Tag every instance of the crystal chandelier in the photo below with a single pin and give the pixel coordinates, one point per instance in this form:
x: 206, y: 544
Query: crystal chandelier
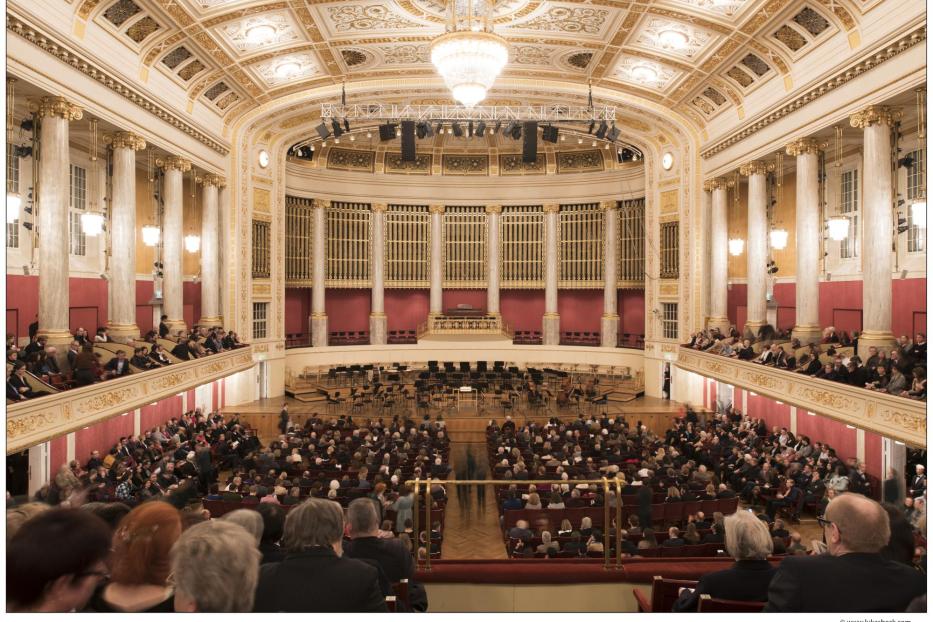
x: 469, y: 56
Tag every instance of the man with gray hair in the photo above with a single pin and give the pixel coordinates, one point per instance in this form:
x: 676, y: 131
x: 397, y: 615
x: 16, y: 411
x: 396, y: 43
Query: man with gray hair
x: 215, y: 565
x: 315, y: 576
x: 390, y: 554
x: 853, y: 576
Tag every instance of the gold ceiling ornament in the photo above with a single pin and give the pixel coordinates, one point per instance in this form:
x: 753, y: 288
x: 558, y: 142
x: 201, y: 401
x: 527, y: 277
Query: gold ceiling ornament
x: 436, y: 209
x: 56, y: 107
x: 209, y: 179
x: 552, y: 208
x: 378, y: 207
x: 875, y: 115
x: 125, y: 140
x: 10, y: 100
x: 803, y: 145
x: 716, y: 183
x: 755, y: 167
x: 177, y: 163
x: 493, y: 209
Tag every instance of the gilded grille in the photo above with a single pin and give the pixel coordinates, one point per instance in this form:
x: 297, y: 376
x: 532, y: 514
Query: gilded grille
x: 790, y: 37
x: 215, y: 91
x: 465, y: 246
x: 142, y: 29
x: 120, y: 11
x: 407, y: 246
x: 262, y: 249
x: 670, y: 250
x: 580, y: 250
x: 347, y: 238
x: 811, y: 20
x: 299, y: 222
x: 632, y: 240
x: 190, y: 70
x: 176, y: 57
x: 521, y: 235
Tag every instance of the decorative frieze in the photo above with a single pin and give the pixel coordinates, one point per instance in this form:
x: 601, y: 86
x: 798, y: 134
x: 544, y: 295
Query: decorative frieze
x: 579, y: 161
x: 394, y: 165
x: 465, y: 164
x: 351, y: 160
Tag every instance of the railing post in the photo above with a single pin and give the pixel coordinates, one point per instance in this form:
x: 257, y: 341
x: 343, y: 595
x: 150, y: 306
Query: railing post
x: 618, y: 522
x: 414, y: 522
x: 427, y: 521
x: 606, y: 524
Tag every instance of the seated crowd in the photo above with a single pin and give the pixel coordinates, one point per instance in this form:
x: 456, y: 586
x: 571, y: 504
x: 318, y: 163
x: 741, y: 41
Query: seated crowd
x: 901, y: 372
x: 131, y: 531
x: 85, y: 365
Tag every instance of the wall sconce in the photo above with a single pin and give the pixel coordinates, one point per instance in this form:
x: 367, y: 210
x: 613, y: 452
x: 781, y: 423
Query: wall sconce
x: 736, y: 246
x: 779, y: 239
x: 151, y: 235
x: 192, y: 243
x: 92, y: 223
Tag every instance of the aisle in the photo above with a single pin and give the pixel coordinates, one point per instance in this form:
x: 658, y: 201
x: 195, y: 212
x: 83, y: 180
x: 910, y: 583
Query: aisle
x: 470, y: 531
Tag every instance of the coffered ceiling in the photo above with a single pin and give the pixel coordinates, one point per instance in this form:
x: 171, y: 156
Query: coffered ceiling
x: 700, y: 57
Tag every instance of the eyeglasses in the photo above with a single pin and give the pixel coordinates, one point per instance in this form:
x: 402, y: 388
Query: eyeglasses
x: 824, y: 522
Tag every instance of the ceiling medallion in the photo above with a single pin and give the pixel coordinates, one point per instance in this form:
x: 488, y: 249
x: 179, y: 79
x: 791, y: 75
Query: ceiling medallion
x: 673, y: 39
x: 470, y: 55
x: 644, y: 73
x: 259, y: 34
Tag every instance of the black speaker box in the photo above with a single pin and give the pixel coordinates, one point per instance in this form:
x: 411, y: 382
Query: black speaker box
x: 530, y: 142
x: 408, y: 141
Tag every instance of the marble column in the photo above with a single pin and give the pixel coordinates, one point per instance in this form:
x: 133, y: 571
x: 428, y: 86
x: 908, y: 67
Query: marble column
x: 757, y: 243
x: 493, y: 216
x: 550, y: 329
x: 609, y: 324
x: 437, y: 260
x: 172, y: 247
x: 122, y: 322
x: 210, y: 251
x: 809, y: 239
x: 378, y: 322
x: 719, y: 256
x: 54, y: 197
x: 223, y: 240
x: 877, y: 223
x: 318, y: 276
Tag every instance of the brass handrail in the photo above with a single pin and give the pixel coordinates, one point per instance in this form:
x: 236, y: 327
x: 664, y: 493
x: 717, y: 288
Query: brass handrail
x: 605, y: 481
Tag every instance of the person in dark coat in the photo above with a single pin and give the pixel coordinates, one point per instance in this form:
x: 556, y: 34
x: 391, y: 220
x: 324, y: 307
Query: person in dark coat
x: 750, y: 544
x: 390, y: 554
x: 853, y: 576
x: 283, y: 419
x: 892, y: 487
x: 314, y: 576
x: 645, y: 497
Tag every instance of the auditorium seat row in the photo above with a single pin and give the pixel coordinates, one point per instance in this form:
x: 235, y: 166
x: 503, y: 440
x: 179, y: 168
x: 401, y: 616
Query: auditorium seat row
x: 661, y: 513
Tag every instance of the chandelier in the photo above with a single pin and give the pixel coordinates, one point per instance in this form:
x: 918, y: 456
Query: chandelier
x: 469, y: 56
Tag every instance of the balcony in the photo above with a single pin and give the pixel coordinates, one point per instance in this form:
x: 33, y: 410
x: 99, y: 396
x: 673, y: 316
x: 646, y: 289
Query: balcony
x: 894, y: 417
x: 38, y: 420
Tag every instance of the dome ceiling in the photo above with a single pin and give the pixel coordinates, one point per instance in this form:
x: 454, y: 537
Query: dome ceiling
x: 699, y: 57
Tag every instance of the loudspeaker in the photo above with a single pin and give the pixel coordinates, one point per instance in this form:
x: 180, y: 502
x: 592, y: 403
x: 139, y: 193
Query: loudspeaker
x: 530, y: 143
x: 322, y: 131
x: 386, y: 131
x: 408, y: 141
x: 601, y: 132
x: 549, y: 134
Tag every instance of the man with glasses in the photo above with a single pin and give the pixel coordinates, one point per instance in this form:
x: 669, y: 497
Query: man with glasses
x: 852, y: 576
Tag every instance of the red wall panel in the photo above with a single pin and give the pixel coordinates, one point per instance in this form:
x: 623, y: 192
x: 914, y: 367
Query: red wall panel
x: 347, y: 309
x: 522, y: 309
x: 825, y: 430
x: 873, y: 451
x: 156, y: 414
x: 192, y: 302
x: 58, y: 454
x: 580, y: 309
x: 476, y: 298
x: 406, y: 308
x: 774, y: 414
x: 102, y: 436
x: 909, y: 306
x: 297, y: 310
x: 632, y: 311
x: 144, y: 293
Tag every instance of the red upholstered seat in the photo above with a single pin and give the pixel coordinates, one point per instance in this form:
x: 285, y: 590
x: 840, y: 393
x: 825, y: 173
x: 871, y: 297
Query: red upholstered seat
x: 664, y: 593
x: 720, y: 605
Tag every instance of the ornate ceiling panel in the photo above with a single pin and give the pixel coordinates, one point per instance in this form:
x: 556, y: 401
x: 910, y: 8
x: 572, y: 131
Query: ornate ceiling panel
x: 696, y: 55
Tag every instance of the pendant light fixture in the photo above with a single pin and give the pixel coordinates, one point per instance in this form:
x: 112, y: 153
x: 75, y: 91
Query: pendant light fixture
x: 778, y: 235
x: 151, y: 232
x: 736, y: 244
x: 918, y: 207
x: 92, y: 221
x: 13, y: 201
x: 192, y: 241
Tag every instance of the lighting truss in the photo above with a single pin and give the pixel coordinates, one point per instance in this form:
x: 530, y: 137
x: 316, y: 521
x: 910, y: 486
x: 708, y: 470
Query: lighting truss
x: 548, y: 113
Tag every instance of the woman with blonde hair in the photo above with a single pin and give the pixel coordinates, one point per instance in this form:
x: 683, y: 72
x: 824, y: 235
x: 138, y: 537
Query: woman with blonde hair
x: 534, y: 502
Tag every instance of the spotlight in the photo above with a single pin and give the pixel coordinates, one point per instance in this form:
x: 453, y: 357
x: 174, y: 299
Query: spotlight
x: 428, y: 131
x: 592, y: 127
x: 439, y: 128
x: 498, y: 127
x: 458, y: 130
x: 601, y: 132
x: 481, y: 129
x: 613, y: 133
x: 517, y: 131
x: 346, y: 125
x: 510, y: 128
x: 23, y: 152
x: 322, y: 131
x: 386, y: 132
x: 549, y: 134
x: 470, y: 129
x: 421, y: 130
x: 337, y: 129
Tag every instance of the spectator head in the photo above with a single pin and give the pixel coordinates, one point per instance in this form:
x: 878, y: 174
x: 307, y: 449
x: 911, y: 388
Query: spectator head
x: 920, y: 469
x: 273, y: 521
x: 747, y: 537
x: 216, y: 568
x: 316, y: 522
x: 143, y: 542
x: 855, y: 524
x: 112, y: 513
x: 17, y: 516
x: 545, y: 537
x: 586, y: 523
x: 56, y: 560
x: 673, y: 532
x: 250, y: 520
x: 362, y: 519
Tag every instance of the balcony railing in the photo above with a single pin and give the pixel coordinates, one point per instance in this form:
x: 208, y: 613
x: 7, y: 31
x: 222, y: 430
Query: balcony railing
x: 891, y: 416
x: 40, y: 419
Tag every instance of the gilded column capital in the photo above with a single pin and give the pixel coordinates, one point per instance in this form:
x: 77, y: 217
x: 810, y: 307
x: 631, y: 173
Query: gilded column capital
x: 125, y: 140
x: 552, y: 208
x: 56, y: 107
x: 755, y: 167
x: 379, y: 207
x: 875, y: 115
x: 803, y: 145
x: 321, y: 204
x: 608, y: 205
x: 716, y: 183
x: 436, y: 209
x: 212, y: 180
x: 174, y: 162
x: 493, y: 209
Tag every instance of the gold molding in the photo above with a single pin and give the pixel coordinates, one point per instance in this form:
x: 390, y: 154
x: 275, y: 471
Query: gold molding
x: 125, y: 140
x: 552, y: 208
x: 493, y: 209
x: 755, y: 167
x: 56, y: 107
x: 378, y: 208
x: 803, y: 145
x: 875, y: 115
x: 716, y: 183
x: 177, y: 163
x: 212, y: 180
x: 436, y: 209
